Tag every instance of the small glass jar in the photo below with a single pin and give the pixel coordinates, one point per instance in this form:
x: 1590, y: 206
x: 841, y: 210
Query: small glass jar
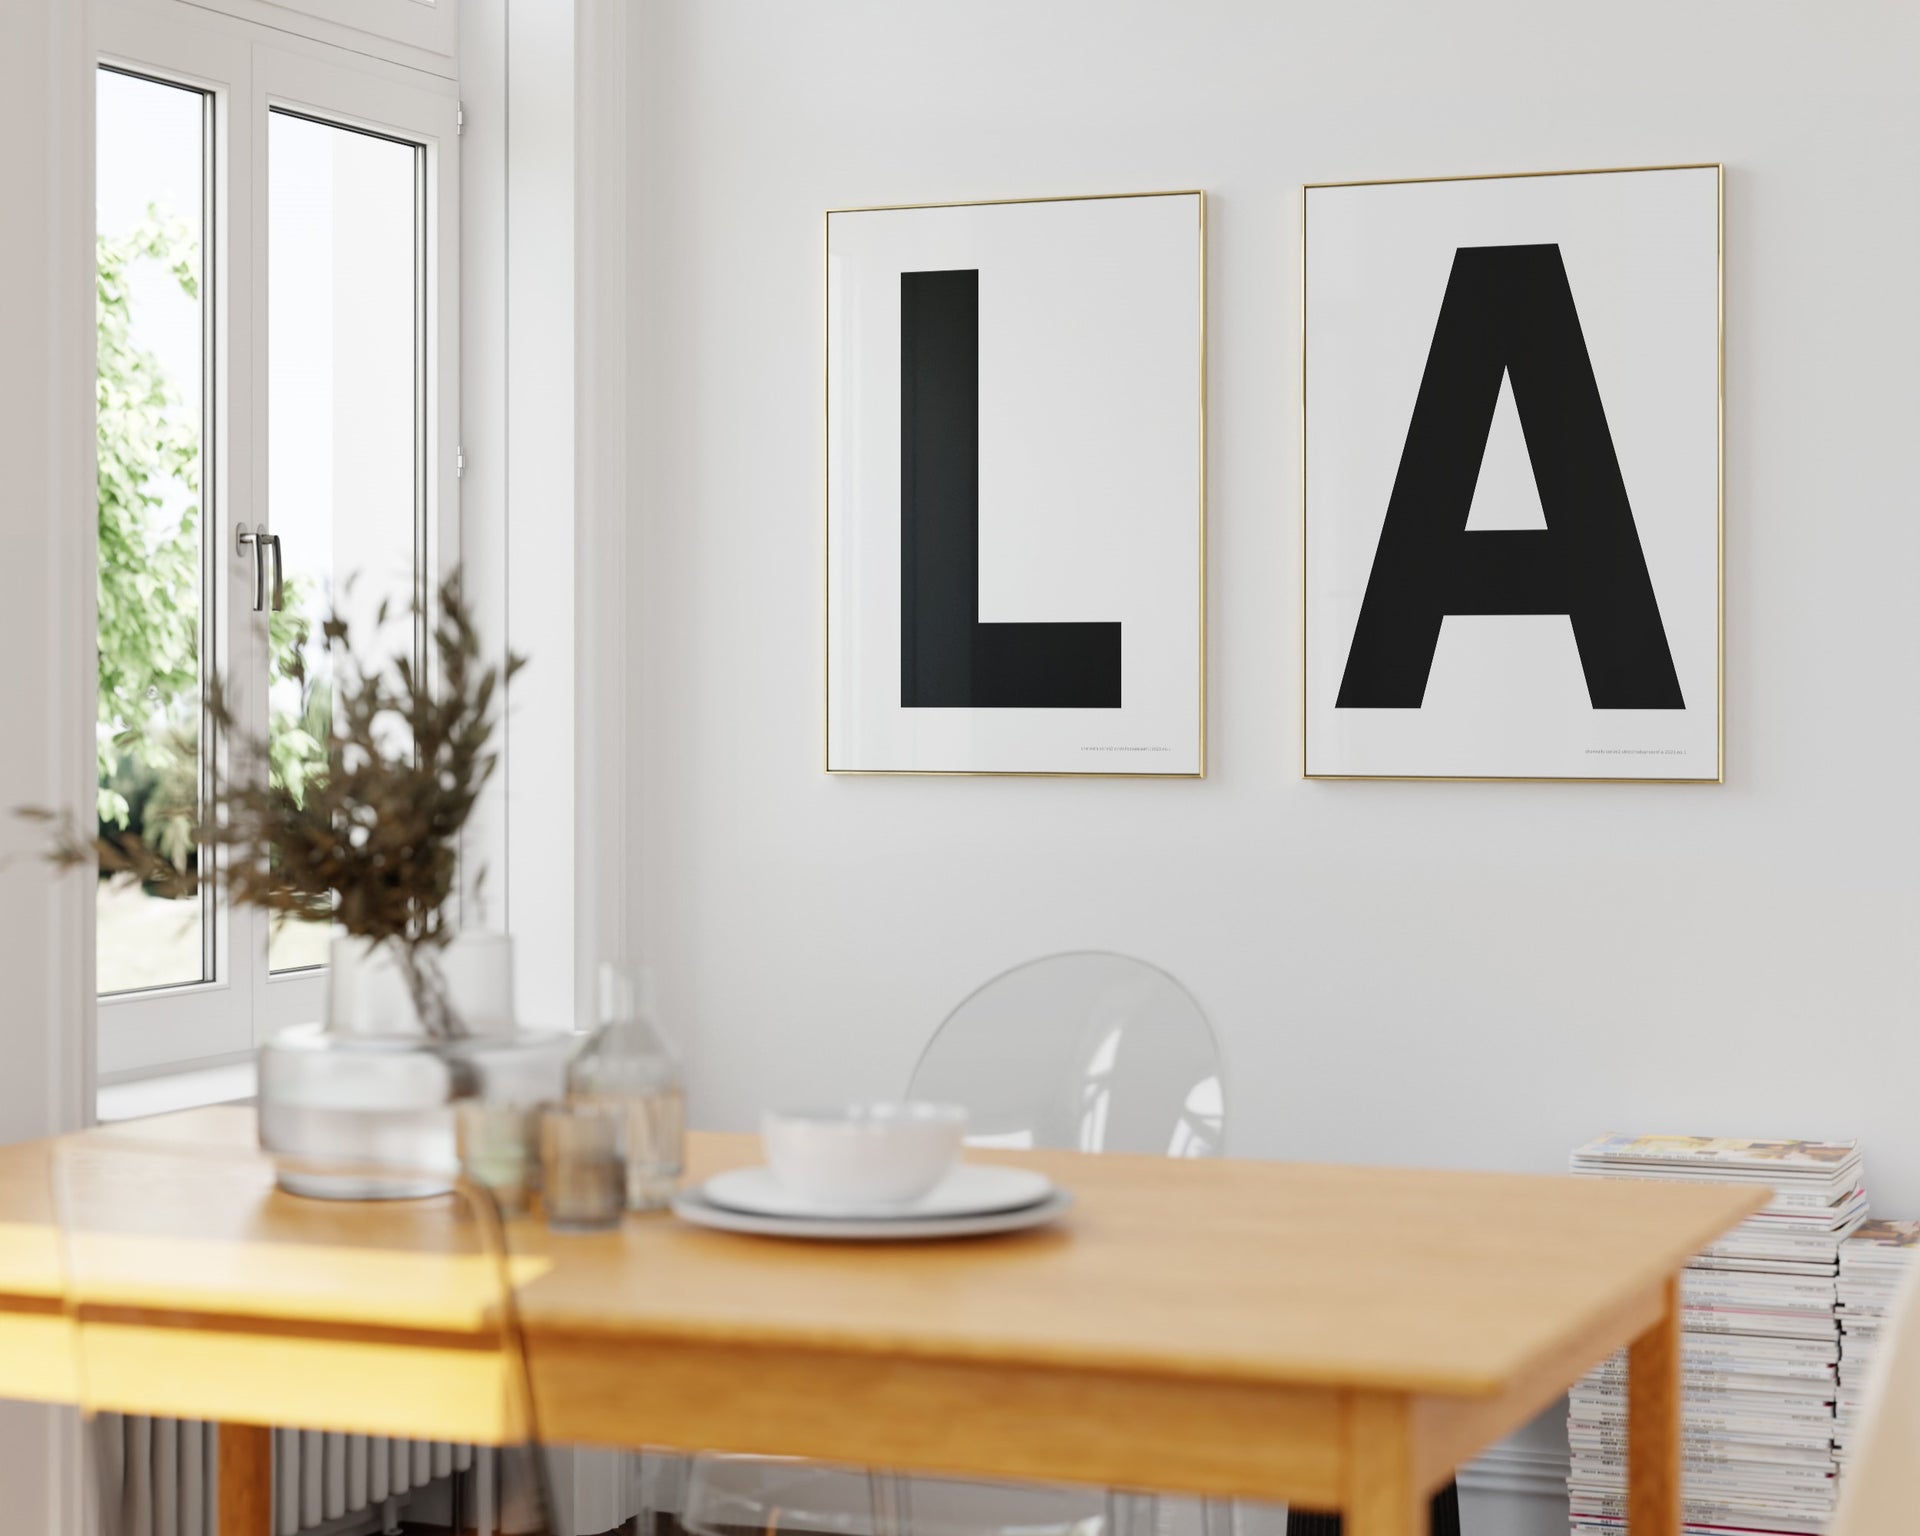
x: 497, y: 1150
x: 582, y: 1174
x: 629, y: 1067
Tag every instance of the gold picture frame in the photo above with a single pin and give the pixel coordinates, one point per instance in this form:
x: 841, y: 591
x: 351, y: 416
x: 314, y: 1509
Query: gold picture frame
x: 1720, y: 244
x: 1200, y: 772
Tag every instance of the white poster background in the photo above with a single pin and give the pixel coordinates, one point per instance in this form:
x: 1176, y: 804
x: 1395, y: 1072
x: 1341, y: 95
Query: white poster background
x: 1507, y: 698
x: 1090, y: 466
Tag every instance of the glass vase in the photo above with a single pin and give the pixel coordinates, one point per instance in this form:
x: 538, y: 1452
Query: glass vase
x: 629, y: 1067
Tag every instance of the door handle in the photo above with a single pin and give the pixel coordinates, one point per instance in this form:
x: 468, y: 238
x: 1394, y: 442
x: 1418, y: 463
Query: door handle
x: 262, y: 541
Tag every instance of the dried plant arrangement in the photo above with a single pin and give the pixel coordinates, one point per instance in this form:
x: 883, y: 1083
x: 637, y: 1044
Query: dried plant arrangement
x: 370, y: 844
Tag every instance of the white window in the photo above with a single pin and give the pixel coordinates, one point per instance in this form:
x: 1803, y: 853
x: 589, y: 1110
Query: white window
x: 279, y: 361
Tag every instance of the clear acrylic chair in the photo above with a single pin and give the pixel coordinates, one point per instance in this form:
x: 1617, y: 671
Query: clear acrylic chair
x: 1084, y: 1052
x: 1090, y: 1052
x: 198, y: 1294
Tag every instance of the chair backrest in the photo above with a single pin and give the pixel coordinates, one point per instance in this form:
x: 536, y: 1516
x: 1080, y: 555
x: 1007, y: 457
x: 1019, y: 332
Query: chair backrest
x: 1087, y: 1051
x: 197, y: 1290
x: 1880, y: 1484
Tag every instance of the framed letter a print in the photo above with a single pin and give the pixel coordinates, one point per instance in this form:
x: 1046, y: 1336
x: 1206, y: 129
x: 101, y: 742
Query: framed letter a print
x: 1015, y: 487
x: 1512, y: 477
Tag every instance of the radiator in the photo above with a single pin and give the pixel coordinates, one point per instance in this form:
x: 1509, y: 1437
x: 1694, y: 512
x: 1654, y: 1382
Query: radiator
x: 158, y: 1474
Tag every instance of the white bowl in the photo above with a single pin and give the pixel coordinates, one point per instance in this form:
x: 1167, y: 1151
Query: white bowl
x: 863, y: 1154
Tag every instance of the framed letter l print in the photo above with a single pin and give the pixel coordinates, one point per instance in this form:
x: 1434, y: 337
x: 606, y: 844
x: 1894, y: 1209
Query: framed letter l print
x: 1015, y: 487
x: 1512, y: 477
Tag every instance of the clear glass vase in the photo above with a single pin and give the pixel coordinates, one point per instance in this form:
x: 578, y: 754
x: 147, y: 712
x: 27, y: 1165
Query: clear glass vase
x: 367, y: 992
x: 365, y: 1100
x: 629, y: 1066
x: 375, y: 1086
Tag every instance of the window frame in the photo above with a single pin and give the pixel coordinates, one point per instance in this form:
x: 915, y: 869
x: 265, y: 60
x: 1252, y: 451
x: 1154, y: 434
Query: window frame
x: 151, y: 1029
x: 398, y: 31
x: 332, y: 91
x: 249, y: 70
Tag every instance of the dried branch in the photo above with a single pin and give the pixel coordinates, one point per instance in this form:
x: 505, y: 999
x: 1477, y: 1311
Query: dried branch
x: 373, y: 843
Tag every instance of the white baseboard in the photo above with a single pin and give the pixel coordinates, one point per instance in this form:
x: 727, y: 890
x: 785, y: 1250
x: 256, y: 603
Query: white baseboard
x: 1519, y: 1486
x: 1514, y: 1467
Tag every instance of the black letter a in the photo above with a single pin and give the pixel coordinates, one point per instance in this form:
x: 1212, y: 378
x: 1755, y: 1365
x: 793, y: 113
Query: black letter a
x: 1509, y: 308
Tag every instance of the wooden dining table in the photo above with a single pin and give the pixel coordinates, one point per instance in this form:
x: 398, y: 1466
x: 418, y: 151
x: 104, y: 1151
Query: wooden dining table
x: 1340, y: 1338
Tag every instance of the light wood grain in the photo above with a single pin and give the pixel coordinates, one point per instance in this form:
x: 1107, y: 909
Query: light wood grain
x: 1452, y: 1430
x: 1108, y: 1428
x: 1653, y: 1424
x: 1224, y: 1328
x: 420, y: 1390
x: 37, y: 1357
x: 1406, y: 1279
x: 1383, y: 1496
x: 244, y: 1500
x: 1414, y: 1280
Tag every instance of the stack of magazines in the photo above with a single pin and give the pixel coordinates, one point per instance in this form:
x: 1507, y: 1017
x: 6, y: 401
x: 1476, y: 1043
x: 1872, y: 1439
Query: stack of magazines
x: 1874, y: 1260
x: 1761, y: 1344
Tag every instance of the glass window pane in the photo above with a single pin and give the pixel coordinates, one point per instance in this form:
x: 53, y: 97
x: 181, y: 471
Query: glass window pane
x: 344, y: 398
x: 151, y: 188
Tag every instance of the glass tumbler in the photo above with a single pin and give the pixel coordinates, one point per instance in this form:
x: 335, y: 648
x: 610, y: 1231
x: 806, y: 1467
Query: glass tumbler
x: 496, y: 1143
x: 582, y: 1169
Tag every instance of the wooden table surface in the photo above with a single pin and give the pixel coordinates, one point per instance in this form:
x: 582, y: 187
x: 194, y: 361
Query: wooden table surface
x: 1338, y: 1337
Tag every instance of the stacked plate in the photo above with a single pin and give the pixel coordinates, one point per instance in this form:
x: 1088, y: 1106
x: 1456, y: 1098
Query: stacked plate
x: 972, y: 1201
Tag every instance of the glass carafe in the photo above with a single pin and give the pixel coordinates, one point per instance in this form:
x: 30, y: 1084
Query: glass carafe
x: 629, y: 1065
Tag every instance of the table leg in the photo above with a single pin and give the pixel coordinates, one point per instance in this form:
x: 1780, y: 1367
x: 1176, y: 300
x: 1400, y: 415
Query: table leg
x: 1653, y: 1424
x: 245, y: 1506
x: 1382, y: 1499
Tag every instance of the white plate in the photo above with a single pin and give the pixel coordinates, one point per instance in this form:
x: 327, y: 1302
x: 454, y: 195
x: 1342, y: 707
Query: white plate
x: 972, y: 1189
x: 692, y: 1205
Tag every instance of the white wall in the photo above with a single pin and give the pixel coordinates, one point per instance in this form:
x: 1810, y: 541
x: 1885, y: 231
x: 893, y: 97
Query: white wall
x: 46, y: 617
x: 1446, y: 974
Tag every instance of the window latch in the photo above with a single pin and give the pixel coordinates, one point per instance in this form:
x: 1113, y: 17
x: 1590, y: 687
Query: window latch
x: 262, y: 543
